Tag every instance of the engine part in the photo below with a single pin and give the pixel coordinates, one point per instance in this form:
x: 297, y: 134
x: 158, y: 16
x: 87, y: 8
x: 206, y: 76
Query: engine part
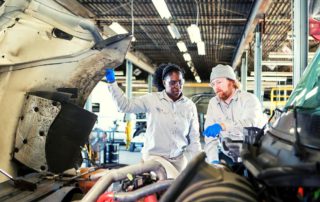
x: 143, y: 192
x: 274, y: 159
x: 288, y: 154
x: 115, y: 175
x: 203, y: 182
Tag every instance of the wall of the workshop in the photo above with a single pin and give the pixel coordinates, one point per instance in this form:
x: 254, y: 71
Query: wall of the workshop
x: 201, y: 106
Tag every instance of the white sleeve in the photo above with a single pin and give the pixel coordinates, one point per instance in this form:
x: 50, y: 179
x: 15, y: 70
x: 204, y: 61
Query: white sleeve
x: 194, y: 147
x: 211, y: 143
x: 211, y: 149
x: 135, y: 105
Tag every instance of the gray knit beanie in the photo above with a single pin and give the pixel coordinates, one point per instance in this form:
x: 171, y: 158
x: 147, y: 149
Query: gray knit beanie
x: 224, y: 71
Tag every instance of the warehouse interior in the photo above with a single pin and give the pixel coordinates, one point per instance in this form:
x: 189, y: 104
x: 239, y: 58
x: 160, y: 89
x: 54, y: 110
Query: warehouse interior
x: 80, y: 119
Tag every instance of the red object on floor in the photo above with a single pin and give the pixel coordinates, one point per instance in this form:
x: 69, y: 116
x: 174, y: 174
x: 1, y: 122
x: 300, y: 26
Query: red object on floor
x: 106, y: 197
x: 314, y: 28
x: 151, y: 198
x: 300, y: 192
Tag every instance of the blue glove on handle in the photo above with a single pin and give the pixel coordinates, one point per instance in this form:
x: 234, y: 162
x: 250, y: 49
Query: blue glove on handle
x: 110, y: 78
x: 213, y: 130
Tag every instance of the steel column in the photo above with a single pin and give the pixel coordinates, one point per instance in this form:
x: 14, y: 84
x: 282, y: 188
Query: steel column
x: 300, y: 39
x: 129, y: 79
x: 150, y: 80
x: 244, y: 72
x: 257, y: 65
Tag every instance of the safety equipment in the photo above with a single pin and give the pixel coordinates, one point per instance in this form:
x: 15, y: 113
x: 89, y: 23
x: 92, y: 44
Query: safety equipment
x: 110, y: 78
x: 213, y: 130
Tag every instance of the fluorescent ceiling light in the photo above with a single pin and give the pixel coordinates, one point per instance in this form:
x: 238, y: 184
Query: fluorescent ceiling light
x: 201, y: 48
x: 117, y: 28
x: 182, y: 46
x: 162, y: 8
x: 198, y: 79
x: 194, y: 33
x: 190, y: 64
x: 174, y: 31
x: 187, y: 57
x: 195, y: 74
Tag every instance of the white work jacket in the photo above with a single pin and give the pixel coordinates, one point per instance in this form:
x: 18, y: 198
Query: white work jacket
x: 244, y: 110
x: 169, y: 124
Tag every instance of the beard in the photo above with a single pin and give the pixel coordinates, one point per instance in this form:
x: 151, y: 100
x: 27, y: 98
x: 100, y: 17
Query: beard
x: 224, y: 95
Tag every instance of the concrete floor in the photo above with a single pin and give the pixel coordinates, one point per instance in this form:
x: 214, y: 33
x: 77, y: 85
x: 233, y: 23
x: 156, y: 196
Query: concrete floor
x: 127, y: 157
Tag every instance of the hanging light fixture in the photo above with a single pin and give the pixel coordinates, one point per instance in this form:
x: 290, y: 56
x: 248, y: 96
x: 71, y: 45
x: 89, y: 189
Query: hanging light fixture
x: 187, y: 57
x: 174, y: 31
x: 201, y: 48
x: 190, y: 64
x: 198, y: 79
x: 162, y: 8
x: 182, y: 46
x: 194, y: 33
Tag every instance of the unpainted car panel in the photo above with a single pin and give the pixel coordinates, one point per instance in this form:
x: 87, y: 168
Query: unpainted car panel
x: 33, y: 59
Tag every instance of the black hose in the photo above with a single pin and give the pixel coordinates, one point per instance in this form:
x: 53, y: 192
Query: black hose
x: 144, y: 191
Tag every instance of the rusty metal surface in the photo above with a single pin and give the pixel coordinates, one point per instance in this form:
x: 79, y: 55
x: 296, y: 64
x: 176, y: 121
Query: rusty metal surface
x: 36, y: 118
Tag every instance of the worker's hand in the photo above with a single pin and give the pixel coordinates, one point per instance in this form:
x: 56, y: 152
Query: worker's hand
x: 110, y: 78
x: 213, y: 130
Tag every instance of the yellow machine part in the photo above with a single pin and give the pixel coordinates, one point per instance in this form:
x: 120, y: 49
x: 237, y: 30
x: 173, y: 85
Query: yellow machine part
x: 128, y: 134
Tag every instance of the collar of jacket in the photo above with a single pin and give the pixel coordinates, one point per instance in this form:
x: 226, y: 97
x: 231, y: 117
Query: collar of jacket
x: 163, y: 95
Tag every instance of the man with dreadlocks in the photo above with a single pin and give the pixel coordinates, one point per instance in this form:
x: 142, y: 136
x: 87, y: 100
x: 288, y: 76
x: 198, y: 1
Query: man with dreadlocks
x: 172, y: 119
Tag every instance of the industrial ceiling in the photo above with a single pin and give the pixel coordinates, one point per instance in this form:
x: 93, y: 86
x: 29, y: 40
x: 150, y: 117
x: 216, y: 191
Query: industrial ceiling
x: 222, y: 24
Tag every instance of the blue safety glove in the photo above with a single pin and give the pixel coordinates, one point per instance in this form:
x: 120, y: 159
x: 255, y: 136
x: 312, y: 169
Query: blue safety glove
x: 213, y: 130
x: 110, y: 78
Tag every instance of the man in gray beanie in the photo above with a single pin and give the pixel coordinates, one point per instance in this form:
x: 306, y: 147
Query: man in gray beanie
x: 228, y: 113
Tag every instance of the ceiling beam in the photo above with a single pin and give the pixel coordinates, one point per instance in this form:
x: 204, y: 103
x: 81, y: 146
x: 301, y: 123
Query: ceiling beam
x: 259, y: 8
x: 153, y: 19
x: 140, y: 63
x: 75, y: 7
